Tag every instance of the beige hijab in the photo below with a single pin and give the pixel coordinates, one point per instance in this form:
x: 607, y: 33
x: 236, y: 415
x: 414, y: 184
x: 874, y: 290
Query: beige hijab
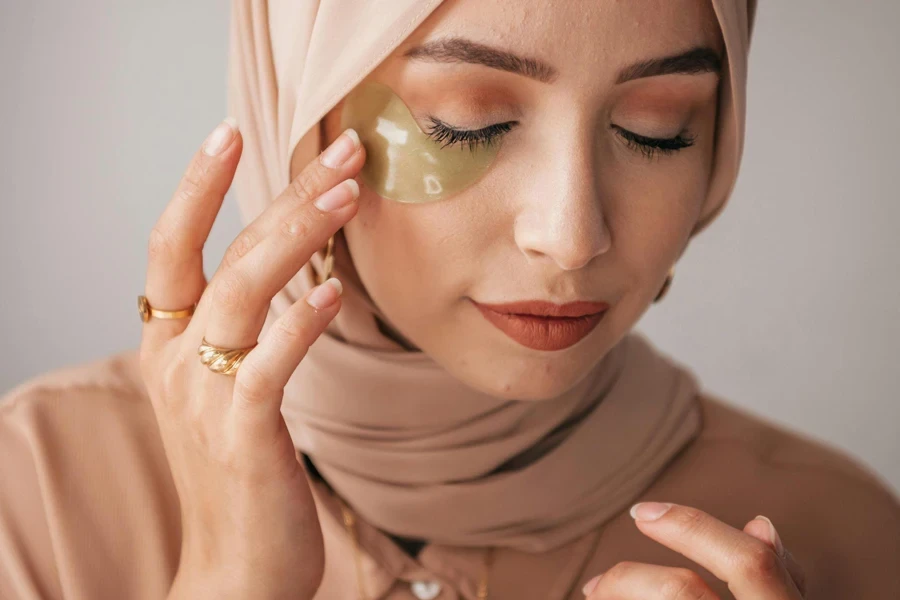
x: 415, y: 452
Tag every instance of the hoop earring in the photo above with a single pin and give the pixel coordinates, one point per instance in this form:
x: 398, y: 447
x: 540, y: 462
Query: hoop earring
x: 327, y: 263
x: 665, y: 286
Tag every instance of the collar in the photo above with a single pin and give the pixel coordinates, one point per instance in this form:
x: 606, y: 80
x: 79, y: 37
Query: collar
x: 385, y: 566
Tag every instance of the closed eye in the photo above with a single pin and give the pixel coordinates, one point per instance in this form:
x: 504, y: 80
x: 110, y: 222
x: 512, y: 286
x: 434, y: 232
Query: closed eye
x: 649, y: 146
x: 447, y: 135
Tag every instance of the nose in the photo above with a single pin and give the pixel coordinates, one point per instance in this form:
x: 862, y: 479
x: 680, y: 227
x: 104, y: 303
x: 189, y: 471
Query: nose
x: 561, y: 215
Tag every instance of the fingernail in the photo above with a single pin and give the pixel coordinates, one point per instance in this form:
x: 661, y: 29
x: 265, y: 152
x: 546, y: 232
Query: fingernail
x: 773, y: 535
x: 221, y: 137
x: 340, y: 195
x: 590, y: 585
x: 340, y: 149
x: 326, y: 294
x: 649, y: 511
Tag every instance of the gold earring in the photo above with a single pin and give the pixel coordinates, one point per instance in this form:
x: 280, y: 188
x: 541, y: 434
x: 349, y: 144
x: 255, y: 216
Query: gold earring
x: 665, y: 286
x: 328, y: 262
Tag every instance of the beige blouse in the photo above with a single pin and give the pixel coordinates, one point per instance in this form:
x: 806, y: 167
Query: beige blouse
x: 88, y: 510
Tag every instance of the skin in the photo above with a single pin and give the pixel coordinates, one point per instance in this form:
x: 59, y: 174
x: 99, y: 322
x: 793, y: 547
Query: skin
x: 753, y: 561
x: 229, y: 450
x: 567, y: 211
x: 249, y: 523
x: 615, y: 225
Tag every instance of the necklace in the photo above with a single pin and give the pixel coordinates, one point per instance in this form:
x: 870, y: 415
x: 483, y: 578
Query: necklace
x: 350, y: 525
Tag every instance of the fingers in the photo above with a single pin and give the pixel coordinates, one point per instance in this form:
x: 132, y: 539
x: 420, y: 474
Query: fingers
x: 175, y: 277
x: 762, y: 529
x: 312, y: 209
x: 269, y: 219
x: 260, y: 380
x: 751, y: 568
x: 636, y: 581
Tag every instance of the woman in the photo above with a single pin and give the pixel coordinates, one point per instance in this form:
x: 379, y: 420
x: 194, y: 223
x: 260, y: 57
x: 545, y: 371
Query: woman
x: 459, y: 409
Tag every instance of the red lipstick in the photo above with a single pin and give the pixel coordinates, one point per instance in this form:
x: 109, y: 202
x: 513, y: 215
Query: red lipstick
x: 541, y: 325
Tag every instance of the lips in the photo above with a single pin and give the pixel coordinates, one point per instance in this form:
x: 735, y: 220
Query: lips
x: 543, y: 325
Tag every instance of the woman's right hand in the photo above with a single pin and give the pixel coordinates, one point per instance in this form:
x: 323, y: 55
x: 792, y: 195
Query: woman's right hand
x: 249, y: 523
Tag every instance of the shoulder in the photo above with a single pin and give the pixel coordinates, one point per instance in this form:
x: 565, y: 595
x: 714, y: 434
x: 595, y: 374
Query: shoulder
x: 838, y: 517
x: 117, y: 374
x: 74, y: 401
x: 78, y: 418
x: 82, y: 450
x: 779, y: 450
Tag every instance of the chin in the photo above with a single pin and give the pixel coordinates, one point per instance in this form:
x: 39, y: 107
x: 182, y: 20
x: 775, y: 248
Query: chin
x: 504, y: 372
x: 537, y: 387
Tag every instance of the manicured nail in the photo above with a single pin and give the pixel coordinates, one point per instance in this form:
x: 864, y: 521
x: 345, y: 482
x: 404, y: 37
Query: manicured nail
x: 221, y: 137
x: 340, y: 195
x: 340, y: 149
x: 649, y: 511
x: 590, y: 585
x: 326, y: 294
x: 773, y: 535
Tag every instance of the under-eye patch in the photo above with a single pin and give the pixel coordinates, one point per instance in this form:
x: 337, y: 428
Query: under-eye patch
x: 404, y: 163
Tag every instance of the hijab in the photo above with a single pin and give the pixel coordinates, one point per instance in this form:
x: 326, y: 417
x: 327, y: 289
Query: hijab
x: 412, y: 450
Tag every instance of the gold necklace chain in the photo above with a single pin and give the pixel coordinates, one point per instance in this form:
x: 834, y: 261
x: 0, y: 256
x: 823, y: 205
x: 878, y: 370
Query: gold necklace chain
x: 350, y: 524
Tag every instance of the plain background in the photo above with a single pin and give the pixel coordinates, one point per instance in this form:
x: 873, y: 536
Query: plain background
x: 789, y: 305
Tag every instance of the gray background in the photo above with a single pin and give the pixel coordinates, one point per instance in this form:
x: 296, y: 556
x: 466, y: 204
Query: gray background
x: 788, y: 305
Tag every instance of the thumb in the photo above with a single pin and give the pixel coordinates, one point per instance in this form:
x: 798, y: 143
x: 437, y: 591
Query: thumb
x: 762, y: 529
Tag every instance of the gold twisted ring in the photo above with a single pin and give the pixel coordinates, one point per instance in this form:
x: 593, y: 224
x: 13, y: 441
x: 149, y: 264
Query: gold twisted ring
x: 222, y: 360
x: 146, y: 311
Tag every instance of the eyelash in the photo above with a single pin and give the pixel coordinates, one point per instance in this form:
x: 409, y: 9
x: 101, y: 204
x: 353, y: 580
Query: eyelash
x: 447, y: 135
x: 649, y: 146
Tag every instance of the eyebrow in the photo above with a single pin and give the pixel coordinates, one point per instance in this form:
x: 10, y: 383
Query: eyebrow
x: 460, y: 50
x: 693, y: 62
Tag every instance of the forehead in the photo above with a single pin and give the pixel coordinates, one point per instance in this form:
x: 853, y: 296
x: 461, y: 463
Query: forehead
x: 580, y: 37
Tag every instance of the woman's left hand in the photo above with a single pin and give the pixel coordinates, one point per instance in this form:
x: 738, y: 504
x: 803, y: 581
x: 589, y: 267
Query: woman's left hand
x: 753, y: 562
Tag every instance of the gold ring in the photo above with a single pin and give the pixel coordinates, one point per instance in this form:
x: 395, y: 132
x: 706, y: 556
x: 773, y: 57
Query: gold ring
x: 222, y: 360
x: 146, y: 311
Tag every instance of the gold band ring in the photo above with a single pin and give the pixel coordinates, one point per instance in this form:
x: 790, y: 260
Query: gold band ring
x: 222, y: 360
x: 146, y: 311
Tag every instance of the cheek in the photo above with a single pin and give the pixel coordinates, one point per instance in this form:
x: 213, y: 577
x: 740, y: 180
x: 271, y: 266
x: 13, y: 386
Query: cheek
x: 652, y: 206
x: 655, y: 202
x: 414, y: 259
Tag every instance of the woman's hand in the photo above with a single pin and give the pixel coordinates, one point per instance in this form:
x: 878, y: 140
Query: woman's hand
x: 249, y: 523
x: 752, y: 562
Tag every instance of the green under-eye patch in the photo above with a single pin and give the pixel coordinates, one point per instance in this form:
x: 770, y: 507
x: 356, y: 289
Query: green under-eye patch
x: 404, y: 163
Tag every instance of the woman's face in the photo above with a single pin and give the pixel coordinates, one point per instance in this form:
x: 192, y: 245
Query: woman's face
x: 578, y: 205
